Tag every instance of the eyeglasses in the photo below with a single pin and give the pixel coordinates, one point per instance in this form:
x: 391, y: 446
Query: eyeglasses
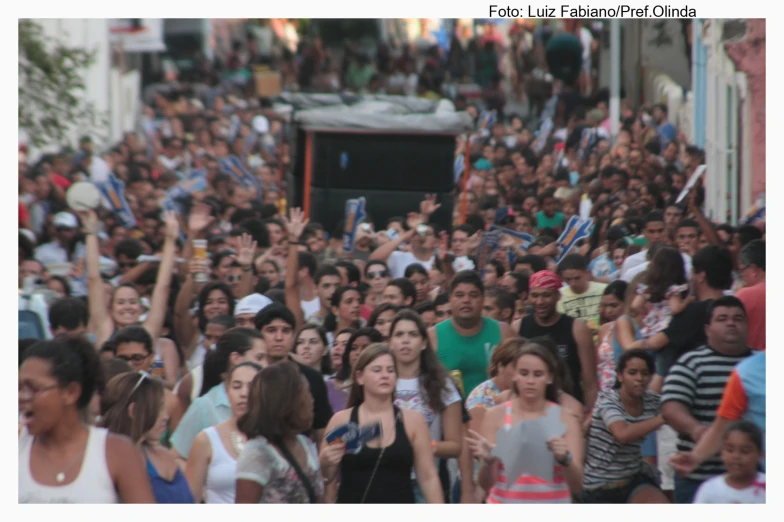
x: 233, y: 278
x: 378, y: 273
x: 35, y: 390
x: 134, y: 358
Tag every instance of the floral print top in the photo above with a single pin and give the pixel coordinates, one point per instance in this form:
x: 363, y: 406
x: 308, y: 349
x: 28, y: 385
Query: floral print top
x: 262, y: 463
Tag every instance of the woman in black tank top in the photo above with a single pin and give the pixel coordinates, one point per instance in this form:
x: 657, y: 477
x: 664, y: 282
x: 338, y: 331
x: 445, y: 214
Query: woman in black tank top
x: 380, y: 473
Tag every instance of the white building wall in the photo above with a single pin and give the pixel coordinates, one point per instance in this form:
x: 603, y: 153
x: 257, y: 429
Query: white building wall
x: 113, y: 94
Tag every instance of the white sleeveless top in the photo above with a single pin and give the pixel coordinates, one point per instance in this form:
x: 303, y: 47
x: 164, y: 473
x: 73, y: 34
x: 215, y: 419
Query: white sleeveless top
x: 222, y: 473
x: 93, y: 485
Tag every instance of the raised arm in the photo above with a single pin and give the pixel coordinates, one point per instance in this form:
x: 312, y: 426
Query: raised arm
x: 184, y: 329
x: 102, y: 325
x: 247, y: 252
x: 160, y: 294
x: 295, y: 224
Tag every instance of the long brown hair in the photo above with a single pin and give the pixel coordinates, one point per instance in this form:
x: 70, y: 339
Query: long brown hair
x: 275, y: 404
x: 144, y: 392
x: 665, y: 270
x: 432, y: 374
x: 551, y: 392
x: 357, y: 394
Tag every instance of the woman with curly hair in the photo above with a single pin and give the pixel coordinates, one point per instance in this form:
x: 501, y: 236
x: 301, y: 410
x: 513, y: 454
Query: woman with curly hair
x: 423, y: 385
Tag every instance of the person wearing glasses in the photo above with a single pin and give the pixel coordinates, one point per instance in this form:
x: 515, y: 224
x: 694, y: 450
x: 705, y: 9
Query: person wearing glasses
x: 61, y: 459
x: 133, y: 406
x: 377, y: 276
x: 133, y: 345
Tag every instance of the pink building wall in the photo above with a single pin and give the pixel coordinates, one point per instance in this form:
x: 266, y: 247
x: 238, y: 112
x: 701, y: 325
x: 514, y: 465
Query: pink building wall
x: 749, y: 58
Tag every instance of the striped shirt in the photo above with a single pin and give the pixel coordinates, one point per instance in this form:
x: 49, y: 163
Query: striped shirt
x: 607, y: 460
x: 697, y: 380
x: 529, y: 489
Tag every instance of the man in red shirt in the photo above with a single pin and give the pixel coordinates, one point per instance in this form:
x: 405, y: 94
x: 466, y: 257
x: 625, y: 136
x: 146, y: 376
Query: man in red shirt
x: 751, y: 261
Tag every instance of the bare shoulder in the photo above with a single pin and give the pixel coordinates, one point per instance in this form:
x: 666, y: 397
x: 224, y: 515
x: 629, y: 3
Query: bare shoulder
x: 120, y: 451
x: 507, y: 332
x: 340, y: 418
x: 570, y: 407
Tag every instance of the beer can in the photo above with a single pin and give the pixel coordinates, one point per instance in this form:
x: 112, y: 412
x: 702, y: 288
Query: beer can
x: 200, y: 253
x: 457, y: 377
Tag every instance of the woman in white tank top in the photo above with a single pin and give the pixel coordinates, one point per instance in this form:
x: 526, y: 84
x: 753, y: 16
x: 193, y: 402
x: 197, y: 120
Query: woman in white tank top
x: 62, y: 460
x: 212, y: 462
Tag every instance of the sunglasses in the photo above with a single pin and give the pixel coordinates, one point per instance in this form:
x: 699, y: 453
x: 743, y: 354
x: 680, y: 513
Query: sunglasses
x: 378, y: 273
x: 133, y: 358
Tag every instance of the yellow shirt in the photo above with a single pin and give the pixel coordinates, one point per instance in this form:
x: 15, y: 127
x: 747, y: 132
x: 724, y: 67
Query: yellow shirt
x: 583, y: 306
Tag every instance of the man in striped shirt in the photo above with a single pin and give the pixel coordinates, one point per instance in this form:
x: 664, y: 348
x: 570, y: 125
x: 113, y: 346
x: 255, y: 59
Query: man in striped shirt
x: 693, y: 389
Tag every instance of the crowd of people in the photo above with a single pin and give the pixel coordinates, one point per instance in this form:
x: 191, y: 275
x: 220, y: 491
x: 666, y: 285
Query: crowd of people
x: 201, y: 348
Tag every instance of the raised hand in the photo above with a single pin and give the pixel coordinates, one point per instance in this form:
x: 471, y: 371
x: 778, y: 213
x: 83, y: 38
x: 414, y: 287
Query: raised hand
x: 414, y: 219
x: 295, y: 224
x: 443, y: 245
x: 199, y: 218
x: 89, y: 221
x: 473, y: 241
x: 429, y: 205
x: 172, y: 225
x: 247, y: 250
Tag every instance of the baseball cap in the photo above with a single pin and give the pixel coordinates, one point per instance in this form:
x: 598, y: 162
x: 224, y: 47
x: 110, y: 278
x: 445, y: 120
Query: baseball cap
x: 251, y: 304
x: 65, y: 220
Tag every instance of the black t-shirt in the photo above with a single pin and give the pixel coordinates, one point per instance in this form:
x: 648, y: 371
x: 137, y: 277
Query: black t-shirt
x: 686, y: 332
x: 322, y: 411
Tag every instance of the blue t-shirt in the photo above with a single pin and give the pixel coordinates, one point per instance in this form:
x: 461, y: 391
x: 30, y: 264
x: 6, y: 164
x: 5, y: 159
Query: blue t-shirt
x: 602, y: 266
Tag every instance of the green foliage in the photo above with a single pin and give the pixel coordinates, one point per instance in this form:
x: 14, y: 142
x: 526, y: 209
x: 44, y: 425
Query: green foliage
x: 52, y: 88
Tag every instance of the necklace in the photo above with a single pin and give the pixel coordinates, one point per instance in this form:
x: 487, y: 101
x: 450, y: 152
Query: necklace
x: 60, y: 476
x: 237, y: 442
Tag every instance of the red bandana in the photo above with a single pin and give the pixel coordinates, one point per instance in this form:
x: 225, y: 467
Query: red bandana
x: 545, y: 279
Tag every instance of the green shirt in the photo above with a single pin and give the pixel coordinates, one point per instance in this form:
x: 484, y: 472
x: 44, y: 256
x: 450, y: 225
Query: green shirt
x: 556, y: 222
x: 469, y: 355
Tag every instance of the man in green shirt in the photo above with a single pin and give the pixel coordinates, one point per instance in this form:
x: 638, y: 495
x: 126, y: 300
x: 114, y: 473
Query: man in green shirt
x: 547, y: 217
x: 465, y: 342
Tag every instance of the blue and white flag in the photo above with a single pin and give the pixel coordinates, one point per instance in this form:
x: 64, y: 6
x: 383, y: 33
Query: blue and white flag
x: 487, y: 119
x: 459, y: 166
x: 575, y: 230
x: 232, y: 166
x: 113, y: 192
x: 757, y: 212
x: 587, y: 141
x: 544, y: 135
x: 499, y: 237
x: 491, y: 241
x: 355, y: 213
